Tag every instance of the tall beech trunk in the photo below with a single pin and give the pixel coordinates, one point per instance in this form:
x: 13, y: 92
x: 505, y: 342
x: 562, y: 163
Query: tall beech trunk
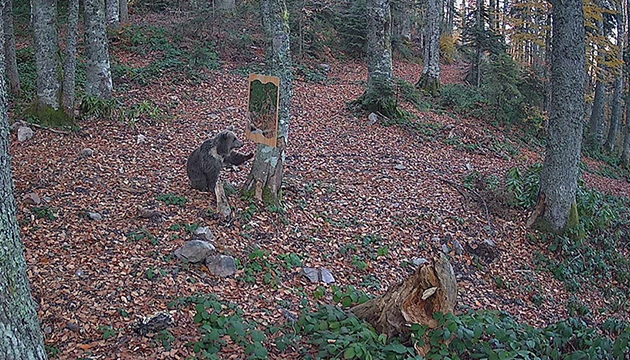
x: 124, y: 12
x: 46, y: 54
x: 556, y: 209
x: 431, y: 288
x: 20, y: 334
x: 99, y: 77
x: 625, y: 154
x: 9, y: 47
x: 69, y: 68
x: 430, y: 78
x: 379, y: 95
x: 596, y: 122
x: 617, y: 107
x: 265, y: 178
x: 401, y: 20
x: 615, y: 117
x: 113, y: 14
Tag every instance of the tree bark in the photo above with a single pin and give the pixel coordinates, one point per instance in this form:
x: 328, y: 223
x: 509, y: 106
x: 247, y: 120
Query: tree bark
x: 430, y: 78
x: 226, y: 4
x: 265, y: 178
x: 596, y: 122
x: 124, y: 12
x: 617, y: 107
x: 615, y: 117
x: 556, y: 209
x: 401, y: 20
x: 99, y: 77
x: 113, y: 14
x: 625, y: 155
x: 431, y: 288
x: 21, y: 337
x: 69, y: 68
x: 46, y: 53
x: 379, y: 94
x: 9, y: 48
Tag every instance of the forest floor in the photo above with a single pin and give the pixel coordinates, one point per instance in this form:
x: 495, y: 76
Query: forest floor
x: 348, y: 205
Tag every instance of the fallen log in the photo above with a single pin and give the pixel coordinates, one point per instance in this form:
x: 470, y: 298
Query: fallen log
x: 431, y: 288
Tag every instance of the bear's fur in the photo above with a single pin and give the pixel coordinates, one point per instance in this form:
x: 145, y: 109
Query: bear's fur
x: 205, y: 163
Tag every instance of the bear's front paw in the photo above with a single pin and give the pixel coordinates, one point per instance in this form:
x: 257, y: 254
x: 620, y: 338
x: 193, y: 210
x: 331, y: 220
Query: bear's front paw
x: 249, y: 156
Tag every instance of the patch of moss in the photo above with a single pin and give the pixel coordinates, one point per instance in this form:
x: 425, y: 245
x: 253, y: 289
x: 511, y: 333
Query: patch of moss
x: 429, y: 84
x: 269, y: 198
x: 46, y: 115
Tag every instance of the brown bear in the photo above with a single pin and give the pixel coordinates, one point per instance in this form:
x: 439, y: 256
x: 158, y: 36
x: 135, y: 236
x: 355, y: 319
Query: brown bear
x: 207, y: 161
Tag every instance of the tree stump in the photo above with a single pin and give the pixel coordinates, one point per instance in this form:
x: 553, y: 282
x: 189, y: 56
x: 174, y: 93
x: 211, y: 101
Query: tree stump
x: 431, y: 288
x: 222, y: 202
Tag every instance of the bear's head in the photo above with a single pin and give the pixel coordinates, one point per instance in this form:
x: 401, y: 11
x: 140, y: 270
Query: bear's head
x: 226, y: 142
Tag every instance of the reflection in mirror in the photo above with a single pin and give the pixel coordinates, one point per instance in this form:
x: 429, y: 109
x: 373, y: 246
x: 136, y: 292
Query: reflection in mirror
x: 262, y: 109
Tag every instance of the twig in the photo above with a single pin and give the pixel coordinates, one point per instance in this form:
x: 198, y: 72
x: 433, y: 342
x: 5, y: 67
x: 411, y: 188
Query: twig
x: 483, y: 202
x: 50, y: 129
x: 456, y: 187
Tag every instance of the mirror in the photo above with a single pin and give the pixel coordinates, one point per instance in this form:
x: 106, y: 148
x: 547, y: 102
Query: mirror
x: 262, y: 109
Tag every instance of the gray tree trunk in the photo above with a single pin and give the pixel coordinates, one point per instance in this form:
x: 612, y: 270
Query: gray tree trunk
x: 20, y: 335
x: 113, y: 15
x: 617, y: 107
x: 9, y: 47
x: 99, y: 77
x: 596, y: 122
x: 69, y: 68
x: 625, y: 155
x: 46, y: 53
x: 379, y: 52
x: 556, y: 209
x: 430, y: 78
x: 401, y: 19
x: 124, y: 12
x: 615, y: 117
x: 450, y: 16
x: 265, y: 179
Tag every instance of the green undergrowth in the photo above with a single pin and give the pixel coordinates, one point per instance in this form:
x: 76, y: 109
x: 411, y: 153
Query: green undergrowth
x: 338, y: 334
x: 329, y: 332
x: 594, y: 253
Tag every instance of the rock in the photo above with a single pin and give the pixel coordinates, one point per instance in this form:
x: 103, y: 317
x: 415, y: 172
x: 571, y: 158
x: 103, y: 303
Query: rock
x: 221, y: 265
x: 445, y: 249
x: 325, y: 67
x: 203, y: 233
x: 417, y: 261
x: 326, y: 276
x: 87, y: 152
x: 468, y: 167
x: 94, y: 216
x: 194, y: 251
x: 435, y: 240
x: 311, y: 274
x: 316, y: 275
x: 32, y: 199
x: 400, y: 167
x: 79, y: 273
x: 459, y: 249
x: 24, y: 133
x: 48, y: 329
x: 140, y: 139
x: 489, y: 242
x: 72, y: 326
x: 16, y: 125
x: 373, y: 118
x: 214, y: 116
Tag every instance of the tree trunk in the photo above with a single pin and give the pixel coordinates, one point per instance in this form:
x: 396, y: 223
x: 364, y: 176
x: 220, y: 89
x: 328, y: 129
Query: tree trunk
x: 9, y: 47
x: 615, y: 117
x: 556, y: 209
x: 265, y: 178
x: 401, y: 20
x: 113, y: 15
x: 431, y: 288
x: 69, y: 68
x: 379, y: 95
x: 450, y: 17
x: 625, y: 155
x: 596, y: 122
x: 99, y: 77
x: 46, y: 53
x: 430, y: 78
x: 617, y: 107
x: 124, y: 12
x: 21, y: 337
